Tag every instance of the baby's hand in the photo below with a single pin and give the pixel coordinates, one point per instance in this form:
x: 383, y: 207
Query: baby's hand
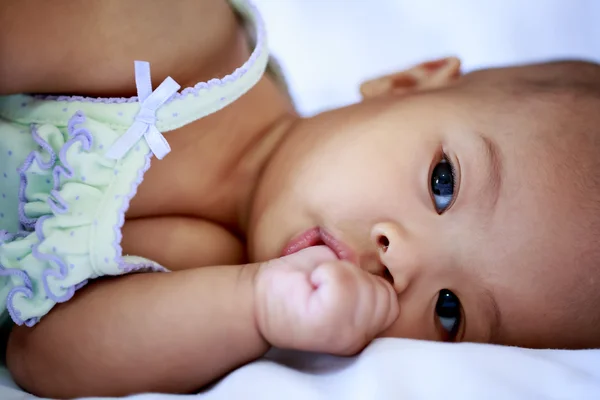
x: 312, y: 301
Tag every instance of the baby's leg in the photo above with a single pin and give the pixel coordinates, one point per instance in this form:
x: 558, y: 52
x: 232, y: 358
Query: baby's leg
x: 87, y: 47
x: 182, y: 242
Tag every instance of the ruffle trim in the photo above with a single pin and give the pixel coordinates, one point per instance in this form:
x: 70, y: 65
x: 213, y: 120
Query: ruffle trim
x: 56, y: 170
x: 51, y: 258
x: 25, y: 288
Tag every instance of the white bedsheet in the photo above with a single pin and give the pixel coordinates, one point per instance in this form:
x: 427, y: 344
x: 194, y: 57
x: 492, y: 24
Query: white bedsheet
x: 405, y: 369
x: 327, y: 47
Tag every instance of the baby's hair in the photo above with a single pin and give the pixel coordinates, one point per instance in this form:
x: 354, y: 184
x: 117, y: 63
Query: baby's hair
x: 574, y: 77
x: 566, y: 93
x: 575, y: 86
x: 556, y: 78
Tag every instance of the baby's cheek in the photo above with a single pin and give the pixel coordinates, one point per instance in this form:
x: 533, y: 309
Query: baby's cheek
x: 353, y: 200
x: 406, y: 328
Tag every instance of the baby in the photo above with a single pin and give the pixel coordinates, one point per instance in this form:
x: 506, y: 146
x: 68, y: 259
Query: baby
x: 442, y: 207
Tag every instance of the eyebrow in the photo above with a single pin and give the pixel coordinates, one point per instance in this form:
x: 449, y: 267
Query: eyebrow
x: 495, y: 167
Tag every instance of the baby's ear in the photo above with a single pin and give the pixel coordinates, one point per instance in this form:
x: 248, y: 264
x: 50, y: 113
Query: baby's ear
x: 428, y: 75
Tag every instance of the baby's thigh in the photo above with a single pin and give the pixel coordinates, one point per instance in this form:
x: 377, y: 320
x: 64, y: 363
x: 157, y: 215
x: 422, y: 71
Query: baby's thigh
x: 177, y: 242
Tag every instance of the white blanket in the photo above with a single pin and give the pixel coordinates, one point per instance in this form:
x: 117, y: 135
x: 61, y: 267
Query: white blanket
x: 405, y: 369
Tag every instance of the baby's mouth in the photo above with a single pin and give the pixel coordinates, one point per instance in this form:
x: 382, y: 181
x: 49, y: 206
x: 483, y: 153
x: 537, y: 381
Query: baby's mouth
x: 318, y: 236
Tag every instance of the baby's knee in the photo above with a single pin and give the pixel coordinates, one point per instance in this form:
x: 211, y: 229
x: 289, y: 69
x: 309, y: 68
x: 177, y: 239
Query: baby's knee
x: 17, y: 359
x: 30, y: 362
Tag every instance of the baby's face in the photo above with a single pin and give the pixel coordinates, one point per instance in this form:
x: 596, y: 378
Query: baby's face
x: 452, y: 195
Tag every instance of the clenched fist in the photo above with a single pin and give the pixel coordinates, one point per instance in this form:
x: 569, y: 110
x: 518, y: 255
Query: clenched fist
x: 313, y: 301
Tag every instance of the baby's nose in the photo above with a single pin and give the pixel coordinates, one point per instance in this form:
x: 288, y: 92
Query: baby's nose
x: 396, y: 256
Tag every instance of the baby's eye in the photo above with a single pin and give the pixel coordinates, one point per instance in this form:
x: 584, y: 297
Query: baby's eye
x: 442, y: 185
x: 448, y: 313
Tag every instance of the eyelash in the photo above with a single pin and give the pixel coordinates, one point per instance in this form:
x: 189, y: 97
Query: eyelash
x: 453, y: 172
x: 458, y: 335
x: 443, y: 156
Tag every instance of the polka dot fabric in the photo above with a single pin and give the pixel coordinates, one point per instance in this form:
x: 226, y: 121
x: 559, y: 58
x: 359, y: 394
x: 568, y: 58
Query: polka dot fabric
x: 62, y: 212
x: 15, y: 145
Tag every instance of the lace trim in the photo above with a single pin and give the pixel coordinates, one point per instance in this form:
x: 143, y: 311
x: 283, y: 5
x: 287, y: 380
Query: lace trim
x: 56, y: 203
x: 26, y: 288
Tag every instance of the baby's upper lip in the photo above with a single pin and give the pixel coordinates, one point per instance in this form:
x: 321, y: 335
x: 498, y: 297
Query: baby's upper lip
x: 316, y: 236
x: 341, y: 249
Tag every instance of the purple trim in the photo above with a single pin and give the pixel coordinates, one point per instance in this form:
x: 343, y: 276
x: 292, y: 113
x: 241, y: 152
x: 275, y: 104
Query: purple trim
x: 26, y: 288
x: 195, y: 90
x: 63, y: 270
x: 129, y: 268
x: 76, y: 134
x: 124, y: 207
x: 57, y: 204
x: 26, y: 222
x: 6, y: 236
x: 61, y: 168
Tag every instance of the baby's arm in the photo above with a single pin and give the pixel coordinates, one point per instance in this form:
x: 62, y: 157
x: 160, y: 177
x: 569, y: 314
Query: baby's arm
x: 166, y: 332
x: 176, y: 332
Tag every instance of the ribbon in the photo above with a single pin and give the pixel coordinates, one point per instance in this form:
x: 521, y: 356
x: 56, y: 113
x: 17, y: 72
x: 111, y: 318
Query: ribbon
x: 145, y: 121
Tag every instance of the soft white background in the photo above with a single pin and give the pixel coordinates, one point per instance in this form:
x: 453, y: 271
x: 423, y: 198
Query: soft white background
x: 328, y: 46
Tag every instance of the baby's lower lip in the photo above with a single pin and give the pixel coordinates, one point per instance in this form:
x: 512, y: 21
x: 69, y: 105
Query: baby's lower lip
x: 319, y: 236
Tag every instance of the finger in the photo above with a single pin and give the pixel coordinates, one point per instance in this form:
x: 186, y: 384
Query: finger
x: 310, y: 257
x: 390, y: 307
x: 332, y: 283
x: 338, y: 295
x: 337, y: 273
